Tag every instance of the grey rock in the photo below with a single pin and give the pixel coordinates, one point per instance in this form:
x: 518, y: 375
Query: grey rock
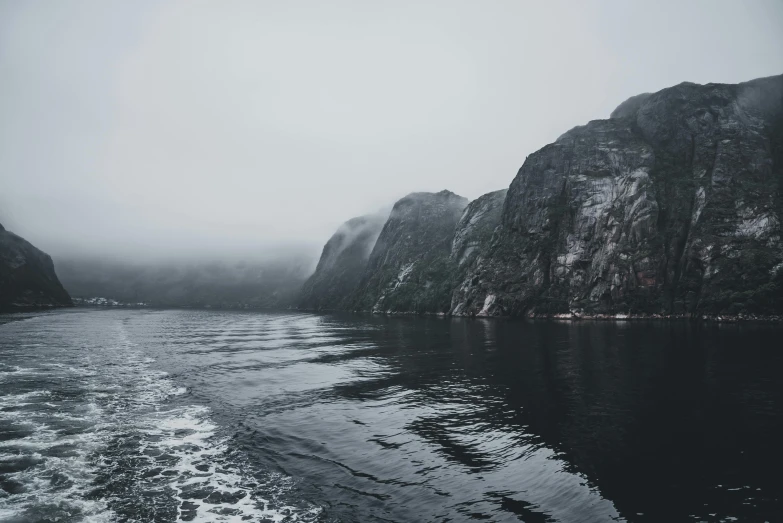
x: 342, y: 263
x: 472, y: 238
x: 410, y: 268
x: 476, y: 226
x: 672, y: 206
x: 27, y: 276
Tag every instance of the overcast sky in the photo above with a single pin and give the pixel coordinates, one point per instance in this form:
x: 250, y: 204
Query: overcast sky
x: 169, y: 128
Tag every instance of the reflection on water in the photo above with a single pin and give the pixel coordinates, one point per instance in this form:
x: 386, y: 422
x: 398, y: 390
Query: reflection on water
x: 295, y: 417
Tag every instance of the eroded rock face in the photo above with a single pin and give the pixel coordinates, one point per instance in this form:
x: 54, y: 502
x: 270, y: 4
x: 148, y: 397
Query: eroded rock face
x: 475, y: 227
x: 410, y: 268
x: 672, y: 206
x: 342, y: 263
x: 474, y: 234
x: 27, y: 277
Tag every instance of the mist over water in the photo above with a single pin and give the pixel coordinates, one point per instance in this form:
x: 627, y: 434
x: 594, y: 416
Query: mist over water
x: 270, y: 282
x: 238, y: 416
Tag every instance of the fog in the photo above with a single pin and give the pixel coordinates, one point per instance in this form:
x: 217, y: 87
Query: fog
x: 235, y: 129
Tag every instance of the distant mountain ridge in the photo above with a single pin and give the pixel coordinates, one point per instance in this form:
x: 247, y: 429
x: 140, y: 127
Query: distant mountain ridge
x: 27, y: 276
x: 672, y: 206
x: 261, y: 284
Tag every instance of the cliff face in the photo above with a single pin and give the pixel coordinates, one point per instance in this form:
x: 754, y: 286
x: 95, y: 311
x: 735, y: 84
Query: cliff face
x: 474, y: 234
x: 475, y: 227
x: 27, y: 277
x: 342, y: 263
x: 672, y: 206
x: 410, y: 268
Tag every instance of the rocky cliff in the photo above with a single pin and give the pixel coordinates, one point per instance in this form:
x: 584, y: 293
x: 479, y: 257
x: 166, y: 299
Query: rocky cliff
x: 410, y: 268
x: 27, y: 277
x: 476, y: 226
x: 672, y: 206
x: 342, y: 263
x: 472, y: 239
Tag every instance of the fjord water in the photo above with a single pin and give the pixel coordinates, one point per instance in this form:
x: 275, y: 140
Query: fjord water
x: 144, y: 415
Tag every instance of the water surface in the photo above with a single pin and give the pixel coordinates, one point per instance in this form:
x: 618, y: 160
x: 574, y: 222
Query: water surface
x: 141, y: 415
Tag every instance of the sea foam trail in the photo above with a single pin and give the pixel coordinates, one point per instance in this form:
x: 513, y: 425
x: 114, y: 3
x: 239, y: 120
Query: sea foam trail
x: 93, y: 432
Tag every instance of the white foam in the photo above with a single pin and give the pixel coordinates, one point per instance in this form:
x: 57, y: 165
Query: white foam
x: 188, y: 434
x: 14, y: 399
x: 179, y: 391
x: 130, y: 399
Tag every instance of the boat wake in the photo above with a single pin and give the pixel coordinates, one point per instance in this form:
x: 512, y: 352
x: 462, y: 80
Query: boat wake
x: 107, y: 437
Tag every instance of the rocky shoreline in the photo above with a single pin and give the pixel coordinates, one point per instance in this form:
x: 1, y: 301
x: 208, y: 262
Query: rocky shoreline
x: 27, y: 307
x: 667, y: 317
x: 576, y: 316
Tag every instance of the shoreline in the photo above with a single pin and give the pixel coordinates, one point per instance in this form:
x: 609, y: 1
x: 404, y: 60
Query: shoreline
x: 570, y: 317
x: 573, y: 316
x: 5, y: 309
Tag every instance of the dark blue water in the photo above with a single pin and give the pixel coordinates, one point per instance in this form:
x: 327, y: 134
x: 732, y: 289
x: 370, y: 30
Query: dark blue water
x: 123, y: 415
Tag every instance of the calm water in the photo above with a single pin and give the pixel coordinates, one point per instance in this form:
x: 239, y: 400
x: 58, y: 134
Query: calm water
x: 122, y: 415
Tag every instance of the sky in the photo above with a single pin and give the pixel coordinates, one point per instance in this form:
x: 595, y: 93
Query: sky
x: 182, y: 128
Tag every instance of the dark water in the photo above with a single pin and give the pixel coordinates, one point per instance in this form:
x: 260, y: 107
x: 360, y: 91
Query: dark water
x: 120, y: 415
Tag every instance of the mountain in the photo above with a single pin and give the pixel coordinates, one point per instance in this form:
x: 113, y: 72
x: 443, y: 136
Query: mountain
x: 418, y: 253
x: 271, y: 283
x: 342, y: 263
x: 671, y: 206
x: 27, y: 277
x: 472, y: 237
x: 476, y: 226
x: 410, y: 268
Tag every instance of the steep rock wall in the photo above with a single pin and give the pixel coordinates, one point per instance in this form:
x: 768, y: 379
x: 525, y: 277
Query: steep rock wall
x: 673, y: 206
x: 342, y: 263
x: 410, y: 268
x: 27, y: 277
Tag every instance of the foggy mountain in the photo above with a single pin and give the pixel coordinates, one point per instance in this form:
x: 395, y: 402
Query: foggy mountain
x: 672, y: 206
x: 268, y: 283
